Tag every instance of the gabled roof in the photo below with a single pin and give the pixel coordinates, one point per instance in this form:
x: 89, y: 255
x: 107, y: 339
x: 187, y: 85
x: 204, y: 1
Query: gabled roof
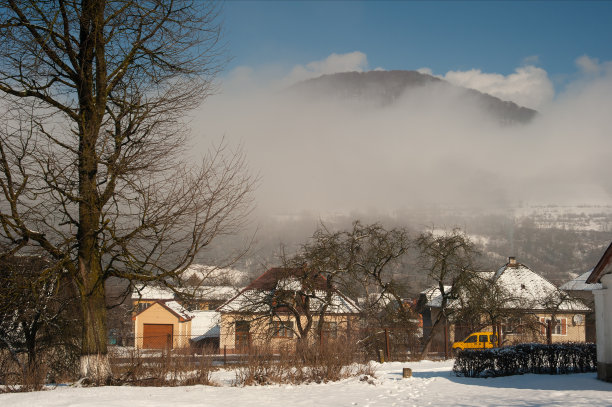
x: 171, y: 306
x: 602, y: 267
x: 254, y: 298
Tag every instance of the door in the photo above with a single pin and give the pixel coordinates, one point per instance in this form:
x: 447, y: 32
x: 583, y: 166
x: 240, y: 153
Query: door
x: 243, y: 336
x: 157, y: 336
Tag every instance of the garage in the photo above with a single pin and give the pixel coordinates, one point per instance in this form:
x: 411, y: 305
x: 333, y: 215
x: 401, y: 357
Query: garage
x: 157, y: 336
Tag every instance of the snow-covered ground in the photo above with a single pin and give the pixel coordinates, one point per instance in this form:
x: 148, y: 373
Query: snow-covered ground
x: 432, y: 384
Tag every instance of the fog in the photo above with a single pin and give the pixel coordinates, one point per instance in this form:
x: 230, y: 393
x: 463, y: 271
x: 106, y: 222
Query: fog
x: 431, y: 147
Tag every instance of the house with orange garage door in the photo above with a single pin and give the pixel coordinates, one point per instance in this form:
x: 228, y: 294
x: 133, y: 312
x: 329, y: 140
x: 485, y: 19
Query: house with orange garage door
x: 164, y: 319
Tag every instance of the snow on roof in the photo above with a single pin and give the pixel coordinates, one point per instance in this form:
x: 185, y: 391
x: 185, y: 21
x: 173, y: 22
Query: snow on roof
x: 256, y: 300
x: 178, y: 308
x: 526, y: 289
x: 201, y: 292
x: 152, y: 293
x: 533, y: 291
x: 434, y: 296
x: 205, y: 324
x: 256, y: 296
x: 580, y: 284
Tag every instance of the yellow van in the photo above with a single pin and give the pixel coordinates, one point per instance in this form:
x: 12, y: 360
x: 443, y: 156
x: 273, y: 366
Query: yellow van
x: 477, y: 340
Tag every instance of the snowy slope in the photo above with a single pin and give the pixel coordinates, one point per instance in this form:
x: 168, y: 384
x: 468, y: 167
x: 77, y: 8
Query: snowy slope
x: 432, y: 384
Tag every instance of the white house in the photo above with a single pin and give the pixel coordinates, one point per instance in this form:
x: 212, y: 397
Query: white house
x: 602, y: 273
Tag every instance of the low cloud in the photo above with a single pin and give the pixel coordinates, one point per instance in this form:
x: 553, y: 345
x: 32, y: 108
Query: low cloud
x: 428, y: 148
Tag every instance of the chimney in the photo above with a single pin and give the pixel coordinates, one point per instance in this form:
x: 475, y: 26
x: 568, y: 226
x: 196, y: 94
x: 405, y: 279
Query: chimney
x: 512, y: 261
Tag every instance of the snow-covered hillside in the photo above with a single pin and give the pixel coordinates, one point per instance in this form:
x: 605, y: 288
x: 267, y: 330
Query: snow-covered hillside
x: 432, y: 384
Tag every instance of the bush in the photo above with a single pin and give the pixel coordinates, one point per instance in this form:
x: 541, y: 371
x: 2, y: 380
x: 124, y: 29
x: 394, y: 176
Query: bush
x: 311, y: 363
x: 527, y: 358
x: 161, y: 368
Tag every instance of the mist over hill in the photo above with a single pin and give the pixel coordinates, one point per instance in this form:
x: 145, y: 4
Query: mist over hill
x: 388, y: 87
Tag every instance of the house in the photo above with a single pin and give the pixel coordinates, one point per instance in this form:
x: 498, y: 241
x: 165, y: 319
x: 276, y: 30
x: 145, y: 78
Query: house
x: 284, y: 306
x: 602, y: 274
x: 530, y: 299
x: 166, y: 319
x: 579, y: 289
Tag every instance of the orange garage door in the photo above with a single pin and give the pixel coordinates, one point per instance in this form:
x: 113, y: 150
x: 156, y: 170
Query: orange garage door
x: 157, y: 336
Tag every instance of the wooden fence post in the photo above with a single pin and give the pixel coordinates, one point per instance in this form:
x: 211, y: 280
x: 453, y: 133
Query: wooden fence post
x: 387, y: 344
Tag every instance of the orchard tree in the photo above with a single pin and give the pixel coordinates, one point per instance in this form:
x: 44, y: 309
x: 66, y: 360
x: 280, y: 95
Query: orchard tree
x: 93, y: 160
x: 448, y: 260
x: 363, y: 261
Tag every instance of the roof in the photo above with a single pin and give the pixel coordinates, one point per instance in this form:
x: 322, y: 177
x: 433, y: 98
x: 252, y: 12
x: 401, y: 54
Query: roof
x: 527, y: 290
x: 205, y: 324
x: 602, y: 267
x: 256, y: 296
x: 530, y: 290
x: 201, y: 292
x: 171, y: 306
x: 580, y: 284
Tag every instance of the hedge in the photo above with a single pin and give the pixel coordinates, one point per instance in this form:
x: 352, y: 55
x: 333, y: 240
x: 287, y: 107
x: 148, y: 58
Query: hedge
x: 527, y: 358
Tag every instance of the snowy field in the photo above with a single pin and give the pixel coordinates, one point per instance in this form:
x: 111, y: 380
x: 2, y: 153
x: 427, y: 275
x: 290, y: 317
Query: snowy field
x: 432, y: 384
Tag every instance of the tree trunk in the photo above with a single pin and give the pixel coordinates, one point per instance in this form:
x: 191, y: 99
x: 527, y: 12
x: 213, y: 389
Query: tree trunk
x: 94, y: 359
x: 429, y: 339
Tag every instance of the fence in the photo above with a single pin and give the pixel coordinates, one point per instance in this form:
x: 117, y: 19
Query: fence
x: 392, y: 343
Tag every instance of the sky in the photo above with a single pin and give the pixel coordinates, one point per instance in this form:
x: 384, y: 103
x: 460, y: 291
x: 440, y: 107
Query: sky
x: 430, y: 147
x: 494, y: 36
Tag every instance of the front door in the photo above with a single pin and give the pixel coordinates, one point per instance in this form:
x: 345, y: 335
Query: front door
x: 243, y: 336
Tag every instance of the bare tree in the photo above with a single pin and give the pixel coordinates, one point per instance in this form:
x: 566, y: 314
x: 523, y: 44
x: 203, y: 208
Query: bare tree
x: 93, y: 164
x: 364, y: 261
x: 34, y: 313
x: 448, y: 259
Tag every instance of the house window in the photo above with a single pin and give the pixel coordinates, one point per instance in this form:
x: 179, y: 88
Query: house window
x: 560, y: 327
x: 330, y: 329
x: 141, y: 306
x: 281, y: 329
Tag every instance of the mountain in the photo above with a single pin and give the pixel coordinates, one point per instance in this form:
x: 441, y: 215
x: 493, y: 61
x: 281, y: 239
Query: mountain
x: 387, y: 87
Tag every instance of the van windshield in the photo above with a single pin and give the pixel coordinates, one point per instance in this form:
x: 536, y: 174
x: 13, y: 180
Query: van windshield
x: 471, y: 339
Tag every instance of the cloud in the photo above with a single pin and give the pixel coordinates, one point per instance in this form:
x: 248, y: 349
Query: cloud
x: 592, y: 66
x: 528, y: 86
x: 353, y: 61
x: 425, y: 149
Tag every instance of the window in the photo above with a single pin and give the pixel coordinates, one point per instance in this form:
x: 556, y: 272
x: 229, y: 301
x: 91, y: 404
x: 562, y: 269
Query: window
x: 472, y: 339
x: 142, y: 306
x: 330, y: 329
x: 483, y: 338
x: 281, y: 329
x: 560, y: 327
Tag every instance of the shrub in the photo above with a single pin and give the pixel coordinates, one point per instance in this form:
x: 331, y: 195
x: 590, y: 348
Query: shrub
x: 312, y: 363
x: 161, y: 368
x: 527, y: 358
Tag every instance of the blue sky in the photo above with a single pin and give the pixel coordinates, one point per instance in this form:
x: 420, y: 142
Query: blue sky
x: 495, y: 37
